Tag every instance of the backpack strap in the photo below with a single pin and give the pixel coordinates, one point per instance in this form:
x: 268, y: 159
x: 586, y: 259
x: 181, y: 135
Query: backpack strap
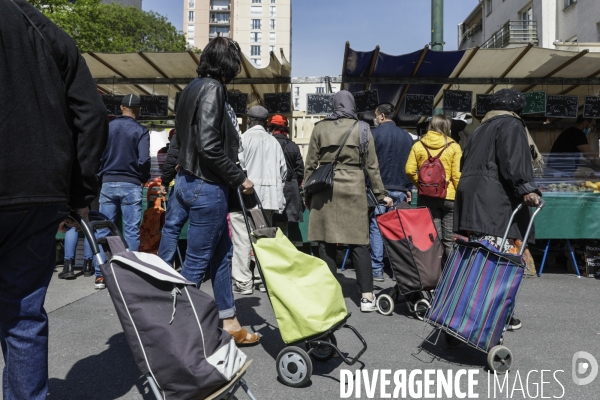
x: 438, y: 155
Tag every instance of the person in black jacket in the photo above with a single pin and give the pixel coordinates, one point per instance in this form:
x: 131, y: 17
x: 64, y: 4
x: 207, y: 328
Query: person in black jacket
x: 55, y: 125
x: 208, y: 138
x: 294, y: 208
x: 497, y: 176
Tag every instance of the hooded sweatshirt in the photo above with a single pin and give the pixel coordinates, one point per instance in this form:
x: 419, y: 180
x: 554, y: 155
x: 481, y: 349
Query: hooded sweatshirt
x: 435, y: 142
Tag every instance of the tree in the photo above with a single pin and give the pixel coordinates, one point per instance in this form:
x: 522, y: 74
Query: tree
x: 112, y: 27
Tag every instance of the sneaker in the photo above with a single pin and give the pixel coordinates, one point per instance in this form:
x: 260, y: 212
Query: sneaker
x: 242, y: 289
x: 262, y: 288
x: 378, y: 276
x: 513, y: 324
x: 367, y: 305
x: 99, y: 283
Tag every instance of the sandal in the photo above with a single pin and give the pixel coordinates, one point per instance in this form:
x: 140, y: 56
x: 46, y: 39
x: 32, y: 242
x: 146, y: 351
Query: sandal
x: 240, y: 337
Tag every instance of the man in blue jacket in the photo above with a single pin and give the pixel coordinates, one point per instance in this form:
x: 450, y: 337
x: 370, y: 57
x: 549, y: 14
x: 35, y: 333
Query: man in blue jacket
x: 392, y: 146
x: 124, y: 168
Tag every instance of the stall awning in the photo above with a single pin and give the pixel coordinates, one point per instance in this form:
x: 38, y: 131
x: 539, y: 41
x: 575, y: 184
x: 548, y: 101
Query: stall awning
x: 481, y: 71
x: 167, y: 73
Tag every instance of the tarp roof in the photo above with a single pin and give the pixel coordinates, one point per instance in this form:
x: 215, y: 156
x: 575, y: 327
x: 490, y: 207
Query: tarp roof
x: 167, y: 73
x: 478, y: 70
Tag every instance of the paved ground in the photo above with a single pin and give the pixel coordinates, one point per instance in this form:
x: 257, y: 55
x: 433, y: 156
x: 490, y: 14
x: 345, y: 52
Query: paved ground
x: 90, y: 359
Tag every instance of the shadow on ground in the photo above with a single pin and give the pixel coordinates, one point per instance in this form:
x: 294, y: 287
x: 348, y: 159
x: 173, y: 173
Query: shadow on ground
x: 108, y: 375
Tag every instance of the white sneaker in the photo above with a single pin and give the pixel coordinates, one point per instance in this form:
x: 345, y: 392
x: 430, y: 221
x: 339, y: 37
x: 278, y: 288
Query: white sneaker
x: 367, y: 305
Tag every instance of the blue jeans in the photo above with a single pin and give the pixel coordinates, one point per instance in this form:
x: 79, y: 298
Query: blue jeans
x: 128, y: 198
x: 71, y: 238
x: 175, y: 218
x: 375, y: 239
x: 209, y: 244
x: 27, y: 256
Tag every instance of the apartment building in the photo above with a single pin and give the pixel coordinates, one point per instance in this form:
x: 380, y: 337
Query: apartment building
x: 259, y: 26
x: 555, y: 24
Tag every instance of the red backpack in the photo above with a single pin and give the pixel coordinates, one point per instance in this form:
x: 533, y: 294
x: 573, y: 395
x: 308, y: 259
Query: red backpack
x: 432, y: 176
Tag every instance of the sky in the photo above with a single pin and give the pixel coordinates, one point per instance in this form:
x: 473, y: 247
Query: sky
x: 320, y: 28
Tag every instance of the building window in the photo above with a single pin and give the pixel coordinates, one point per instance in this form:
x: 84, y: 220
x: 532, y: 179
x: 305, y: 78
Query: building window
x: 296, y: 103
x: 272, y: 49
x: 190, y: 16
x: 256, y: 10
x: 219, y: 17
x: 190, y: 42
x: 569, y: 3
x: 271, y: 36
x: 256, y: 1
x: 297, y: 91
x: 272, y: 24
x: 272, y: 1
x: 255, y: 37
x: 190, y: 29
x: 255, y: 50
x: 256, y: 24
x: 191, y: 4
x: 320, y: 90
x: 216, y: 31
x: 272, y: 11
x: 488, y: 7
x: 257, y: 62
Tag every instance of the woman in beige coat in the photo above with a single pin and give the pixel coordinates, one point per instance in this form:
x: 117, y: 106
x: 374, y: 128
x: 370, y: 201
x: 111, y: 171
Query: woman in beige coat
x: 341, y: 215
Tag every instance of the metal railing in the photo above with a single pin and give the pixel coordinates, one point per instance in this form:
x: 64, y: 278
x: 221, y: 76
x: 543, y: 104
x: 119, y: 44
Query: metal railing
x: 220, y: 8
x: 219, y: 22
x: 217, y: 34
x: 513, y: 32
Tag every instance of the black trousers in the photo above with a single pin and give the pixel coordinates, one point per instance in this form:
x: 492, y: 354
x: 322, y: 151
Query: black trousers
x: 361, y: 258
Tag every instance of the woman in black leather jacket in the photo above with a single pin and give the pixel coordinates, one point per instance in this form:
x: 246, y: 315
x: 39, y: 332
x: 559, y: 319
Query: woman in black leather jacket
x: 208, y: 139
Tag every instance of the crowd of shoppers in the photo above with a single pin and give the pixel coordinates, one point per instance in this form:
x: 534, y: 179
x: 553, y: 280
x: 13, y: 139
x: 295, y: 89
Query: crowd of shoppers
x: 210, y: 159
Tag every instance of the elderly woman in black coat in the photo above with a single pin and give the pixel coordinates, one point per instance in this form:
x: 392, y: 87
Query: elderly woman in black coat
x: 497, y: 176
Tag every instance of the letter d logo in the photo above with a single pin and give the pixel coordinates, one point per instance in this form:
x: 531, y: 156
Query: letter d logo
x: 580, y: 367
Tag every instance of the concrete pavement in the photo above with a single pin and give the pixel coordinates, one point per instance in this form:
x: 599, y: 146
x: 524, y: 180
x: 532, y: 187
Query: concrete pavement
x: 90, y: 358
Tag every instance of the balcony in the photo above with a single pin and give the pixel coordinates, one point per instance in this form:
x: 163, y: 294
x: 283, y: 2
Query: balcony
x: 220, y: 8
x: 217, y: 34
x: 513, y: 33
x: 218, y: 22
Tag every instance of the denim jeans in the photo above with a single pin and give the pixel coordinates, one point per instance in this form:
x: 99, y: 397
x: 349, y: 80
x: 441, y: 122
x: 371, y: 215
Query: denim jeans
x: 128, y: 198
x: 209, y: 244
x: 175, y: 218
x: 27, y: 256
x: 71, y: 238
x: 375, y: 239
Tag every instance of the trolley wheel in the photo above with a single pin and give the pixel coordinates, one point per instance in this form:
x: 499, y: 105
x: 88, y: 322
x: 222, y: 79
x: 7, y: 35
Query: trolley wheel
x: 499, y: 359
x: 420, y: 309
x: 450, y: 341
x: 385, y: 304
x: 294, y: 367
x: 323, y: 353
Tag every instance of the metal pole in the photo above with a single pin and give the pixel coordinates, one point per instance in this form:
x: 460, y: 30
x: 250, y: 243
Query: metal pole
x: 437, y: 25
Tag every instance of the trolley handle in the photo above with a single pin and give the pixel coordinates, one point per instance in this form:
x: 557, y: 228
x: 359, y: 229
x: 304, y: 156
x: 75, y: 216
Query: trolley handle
x: 510, y: 221
x: 88, y: 229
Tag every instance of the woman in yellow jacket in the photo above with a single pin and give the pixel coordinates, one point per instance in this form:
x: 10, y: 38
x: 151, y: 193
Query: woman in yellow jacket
x: 436, y: 140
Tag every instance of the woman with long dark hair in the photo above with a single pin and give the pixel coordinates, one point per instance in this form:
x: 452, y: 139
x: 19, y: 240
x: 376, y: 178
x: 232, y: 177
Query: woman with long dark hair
x: 208, y: 136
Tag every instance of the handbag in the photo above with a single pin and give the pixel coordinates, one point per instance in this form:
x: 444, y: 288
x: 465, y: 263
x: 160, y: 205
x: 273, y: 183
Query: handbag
x: 322, y: 178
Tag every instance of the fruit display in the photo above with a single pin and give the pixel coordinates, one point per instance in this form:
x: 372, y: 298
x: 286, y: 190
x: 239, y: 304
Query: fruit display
x: 570, y: 187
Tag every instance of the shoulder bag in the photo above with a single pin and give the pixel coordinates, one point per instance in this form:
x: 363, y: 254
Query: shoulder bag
x: 322, y: 178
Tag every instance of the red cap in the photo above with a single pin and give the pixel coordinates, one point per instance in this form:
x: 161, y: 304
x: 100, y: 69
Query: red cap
x: 279, y: 120
x: 171, y: 133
